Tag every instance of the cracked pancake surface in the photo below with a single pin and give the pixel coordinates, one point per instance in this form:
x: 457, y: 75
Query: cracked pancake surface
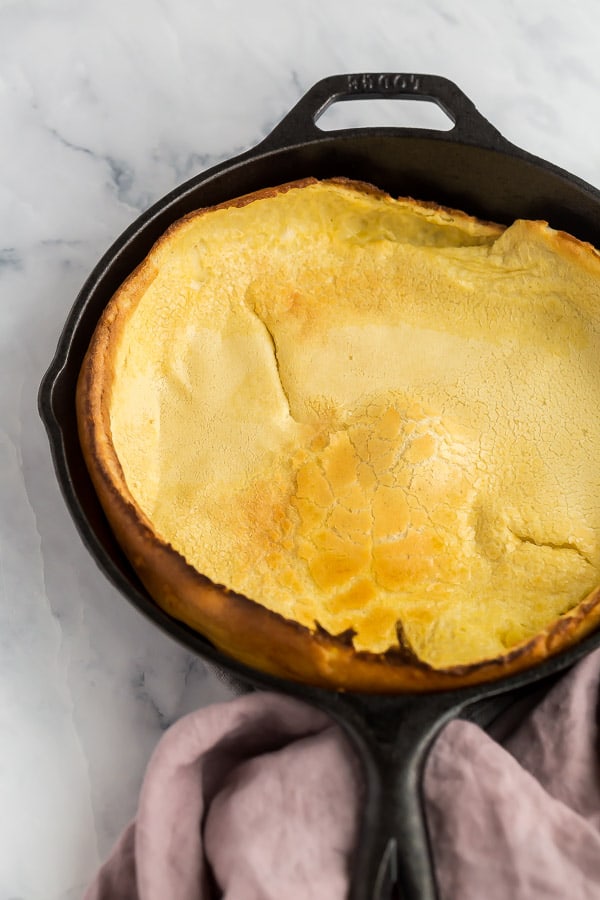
x: 372, y: 417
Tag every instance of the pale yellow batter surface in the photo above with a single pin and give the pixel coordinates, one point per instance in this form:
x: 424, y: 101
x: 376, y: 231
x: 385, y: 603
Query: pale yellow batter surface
x: 371, y: 415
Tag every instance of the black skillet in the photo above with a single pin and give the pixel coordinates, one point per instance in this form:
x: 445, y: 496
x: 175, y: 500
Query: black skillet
x: 470, y: 167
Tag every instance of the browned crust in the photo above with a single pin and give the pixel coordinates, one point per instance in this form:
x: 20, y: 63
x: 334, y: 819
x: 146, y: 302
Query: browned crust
x: 237, y: 625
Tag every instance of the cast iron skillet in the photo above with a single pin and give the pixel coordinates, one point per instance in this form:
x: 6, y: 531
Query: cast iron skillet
x: 470, y: 167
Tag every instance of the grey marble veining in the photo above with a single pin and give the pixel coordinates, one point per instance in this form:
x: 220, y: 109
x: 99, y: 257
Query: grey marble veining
x: 105, y: 108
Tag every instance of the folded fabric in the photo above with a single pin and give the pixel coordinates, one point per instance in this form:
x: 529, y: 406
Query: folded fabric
x: 260, y: 798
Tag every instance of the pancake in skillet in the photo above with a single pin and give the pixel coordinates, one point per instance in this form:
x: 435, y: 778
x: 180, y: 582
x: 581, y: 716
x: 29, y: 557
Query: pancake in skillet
x: 355, y: 440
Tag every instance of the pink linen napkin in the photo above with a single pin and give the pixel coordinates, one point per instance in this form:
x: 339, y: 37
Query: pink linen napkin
x: 259, y: 799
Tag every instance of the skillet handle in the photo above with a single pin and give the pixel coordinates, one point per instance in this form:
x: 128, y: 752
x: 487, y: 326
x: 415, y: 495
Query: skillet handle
x: 393, y: 856
x: 299, y: 125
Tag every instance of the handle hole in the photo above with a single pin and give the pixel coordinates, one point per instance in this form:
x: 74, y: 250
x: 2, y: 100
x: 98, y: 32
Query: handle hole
x: 418, y: 113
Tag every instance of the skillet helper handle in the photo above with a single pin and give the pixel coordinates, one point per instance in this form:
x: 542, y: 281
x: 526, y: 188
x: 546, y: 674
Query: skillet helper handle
x: 300, y: 124
x: 393, y: 859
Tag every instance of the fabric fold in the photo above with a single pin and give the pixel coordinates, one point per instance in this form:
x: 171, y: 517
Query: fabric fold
x: 260, y: 798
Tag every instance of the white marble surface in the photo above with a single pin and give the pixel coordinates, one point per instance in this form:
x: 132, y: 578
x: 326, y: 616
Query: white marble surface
x: 105, y: 105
